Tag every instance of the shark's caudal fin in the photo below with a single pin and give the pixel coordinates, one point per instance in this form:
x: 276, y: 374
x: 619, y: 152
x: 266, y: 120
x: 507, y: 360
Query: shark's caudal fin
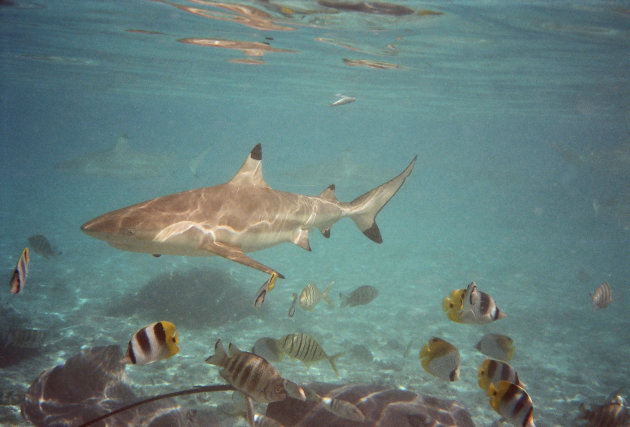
x: 366, y: 207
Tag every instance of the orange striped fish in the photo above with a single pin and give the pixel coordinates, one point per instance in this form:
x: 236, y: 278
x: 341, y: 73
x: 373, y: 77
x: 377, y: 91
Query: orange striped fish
x: 512, y: 403
x: 492, y: 371
x: 18, y: 279
x: 155, y: 342
x: 602, y: 296
x: 479, y: 307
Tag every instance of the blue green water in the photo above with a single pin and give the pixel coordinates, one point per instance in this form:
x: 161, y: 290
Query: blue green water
x: 519, y: 113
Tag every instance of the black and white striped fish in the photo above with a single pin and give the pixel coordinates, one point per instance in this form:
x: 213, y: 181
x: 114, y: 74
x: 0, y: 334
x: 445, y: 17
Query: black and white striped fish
x: 602, y: 296
x: 155, y: 342
x: 492, y: 371
x: 18, y: 279
x: 306, y: 348
x: 479, y: 307
x: 360, y: 296
x: 252, y: 375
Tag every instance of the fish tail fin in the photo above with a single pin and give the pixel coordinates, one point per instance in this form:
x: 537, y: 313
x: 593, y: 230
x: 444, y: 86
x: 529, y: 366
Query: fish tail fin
x: 331, y: 359
x: 219, y: 356
x: 325, y: 294
x: 344, y: 300
x: 363, y: 209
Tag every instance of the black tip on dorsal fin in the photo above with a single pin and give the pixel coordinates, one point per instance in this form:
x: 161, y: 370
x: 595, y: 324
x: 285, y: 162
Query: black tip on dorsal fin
x: 256, y: 152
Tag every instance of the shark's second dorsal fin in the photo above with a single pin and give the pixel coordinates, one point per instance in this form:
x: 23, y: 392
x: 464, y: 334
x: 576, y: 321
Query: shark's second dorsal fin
x: 250, y: 172
x: 329, y: 193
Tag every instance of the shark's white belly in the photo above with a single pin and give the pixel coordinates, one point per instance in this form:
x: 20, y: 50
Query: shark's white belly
x: 258, y: 231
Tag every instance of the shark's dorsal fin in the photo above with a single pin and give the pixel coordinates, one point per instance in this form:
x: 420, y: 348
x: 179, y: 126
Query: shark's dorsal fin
x: 250, y: 172
x: 329, y: 193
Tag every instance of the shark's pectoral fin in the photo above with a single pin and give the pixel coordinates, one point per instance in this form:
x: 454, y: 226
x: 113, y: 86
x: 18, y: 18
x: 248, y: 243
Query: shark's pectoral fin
x: 300, y: 238
x: 237, y: 255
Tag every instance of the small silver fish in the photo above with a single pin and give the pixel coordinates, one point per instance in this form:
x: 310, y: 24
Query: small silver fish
x: 311, y: 296
x: 343, y: 409
x: 307, y: 349
x: 602, y: 296
x: 293, y: 305
x: 343, y: 99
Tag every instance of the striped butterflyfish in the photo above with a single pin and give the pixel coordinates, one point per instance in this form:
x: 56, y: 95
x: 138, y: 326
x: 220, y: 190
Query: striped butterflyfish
x: 479, y: 307
x: 512, y: 402
x: 158, y: 341
x: 307, y: 349
x: 252, y: 375
x: 492, y: 371
x: 18, y: 279
x: 441, y: 359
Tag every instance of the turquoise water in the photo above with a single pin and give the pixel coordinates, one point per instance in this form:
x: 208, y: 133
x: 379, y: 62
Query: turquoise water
x: 519, y: 113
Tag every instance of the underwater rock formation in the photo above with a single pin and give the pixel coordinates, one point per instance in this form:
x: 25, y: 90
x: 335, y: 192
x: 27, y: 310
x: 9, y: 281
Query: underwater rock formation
x: 192, y: 299
x: 385, y: 407
x: 87, y: 386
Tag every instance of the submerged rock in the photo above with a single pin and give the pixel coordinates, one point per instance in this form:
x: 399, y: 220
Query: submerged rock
x: 382, y: 406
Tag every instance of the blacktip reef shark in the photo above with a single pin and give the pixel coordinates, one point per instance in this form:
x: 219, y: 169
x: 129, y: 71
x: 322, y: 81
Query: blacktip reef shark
x: 243, y: 215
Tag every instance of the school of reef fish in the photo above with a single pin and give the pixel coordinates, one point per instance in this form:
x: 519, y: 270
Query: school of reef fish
x: 252, y: 375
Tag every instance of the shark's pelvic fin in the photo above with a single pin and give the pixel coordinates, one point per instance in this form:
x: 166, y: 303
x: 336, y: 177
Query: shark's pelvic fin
x: 237, y: 255
x: 250, y: 173
x: 366, y: 207
x: 300, y: 238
